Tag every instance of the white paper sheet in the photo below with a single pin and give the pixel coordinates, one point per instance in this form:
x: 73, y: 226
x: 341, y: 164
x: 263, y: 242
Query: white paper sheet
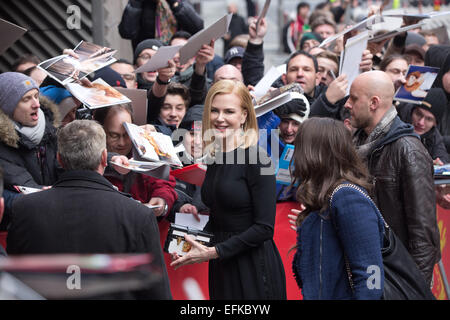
x: 395, y: 32
x: 280, y: 100
x: 160, y: 59
x: 352, y: 57
x: 188, y: 220
x: 365, y: 24
x: 264, y: 84
x: 282, y: 68
x: 428, y: 15
x: 215, y: 31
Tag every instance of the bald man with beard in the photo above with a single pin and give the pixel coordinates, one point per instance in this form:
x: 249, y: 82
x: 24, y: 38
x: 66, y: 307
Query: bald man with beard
x: 401, y: 166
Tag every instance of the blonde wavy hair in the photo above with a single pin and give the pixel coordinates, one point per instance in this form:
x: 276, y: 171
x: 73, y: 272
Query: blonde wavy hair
x: 250, y: 127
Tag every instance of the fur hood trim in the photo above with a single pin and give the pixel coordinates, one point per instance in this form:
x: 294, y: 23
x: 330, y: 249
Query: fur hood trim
x: 9, y: 135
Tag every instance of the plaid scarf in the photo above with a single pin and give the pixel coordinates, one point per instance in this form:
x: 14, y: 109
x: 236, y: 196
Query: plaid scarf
x: 166, y: 24
x: 365, y: 144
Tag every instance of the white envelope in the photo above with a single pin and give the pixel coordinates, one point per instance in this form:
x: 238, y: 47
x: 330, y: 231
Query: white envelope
x: 188, y: 220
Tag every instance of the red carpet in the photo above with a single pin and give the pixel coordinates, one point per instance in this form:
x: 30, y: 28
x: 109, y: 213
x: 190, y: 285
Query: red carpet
x: 191, y: 282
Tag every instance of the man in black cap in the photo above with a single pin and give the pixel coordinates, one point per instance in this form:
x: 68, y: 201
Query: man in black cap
x: 425, y: 117
x: 111, y: 77
x: 234, y: 57
x: 144, y: 51
x: 415, y: 54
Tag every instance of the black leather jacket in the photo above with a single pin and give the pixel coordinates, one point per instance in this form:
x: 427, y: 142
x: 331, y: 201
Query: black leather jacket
x: 405, y: 194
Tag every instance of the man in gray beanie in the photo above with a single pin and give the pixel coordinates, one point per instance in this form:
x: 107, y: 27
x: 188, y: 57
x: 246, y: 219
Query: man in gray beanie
x: 13, y: 86
x: 27, y: 136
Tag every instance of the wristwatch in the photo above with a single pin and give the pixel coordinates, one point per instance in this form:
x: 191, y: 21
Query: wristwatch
x: 166, y: 207
x: 159, y: 81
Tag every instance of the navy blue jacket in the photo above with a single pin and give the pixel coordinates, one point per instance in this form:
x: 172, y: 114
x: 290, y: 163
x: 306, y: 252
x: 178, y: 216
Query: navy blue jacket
x: 352, y: 226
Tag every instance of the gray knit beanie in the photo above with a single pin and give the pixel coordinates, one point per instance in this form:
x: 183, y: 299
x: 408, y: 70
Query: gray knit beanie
x: 13, y: 86
x: 153, y: 44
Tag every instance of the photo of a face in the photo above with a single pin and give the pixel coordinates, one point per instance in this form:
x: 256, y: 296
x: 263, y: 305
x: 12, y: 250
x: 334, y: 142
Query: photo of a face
x: 99, y: 94
x: 416, y: 84
x: 413, y: 81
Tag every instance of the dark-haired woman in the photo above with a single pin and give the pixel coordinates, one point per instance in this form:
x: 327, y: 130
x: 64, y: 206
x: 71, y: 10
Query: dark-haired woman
x: 340, y: 233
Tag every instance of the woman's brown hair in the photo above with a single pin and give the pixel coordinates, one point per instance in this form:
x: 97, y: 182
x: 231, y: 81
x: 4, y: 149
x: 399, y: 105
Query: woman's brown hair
x: 324, y: 156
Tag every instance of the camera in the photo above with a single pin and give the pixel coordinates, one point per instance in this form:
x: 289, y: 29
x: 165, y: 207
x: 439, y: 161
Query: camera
x: 83, y: 113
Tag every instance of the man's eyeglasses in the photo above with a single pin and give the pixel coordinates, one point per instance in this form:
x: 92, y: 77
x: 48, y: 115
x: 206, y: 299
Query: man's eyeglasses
x: 128, y: 76
x: 145, y: 56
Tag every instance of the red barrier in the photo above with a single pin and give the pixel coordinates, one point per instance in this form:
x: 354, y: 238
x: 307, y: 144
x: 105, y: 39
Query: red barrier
x: 443, y: 219
x: 285, y: 238
x: 192, y: 281
x: 189, y: 282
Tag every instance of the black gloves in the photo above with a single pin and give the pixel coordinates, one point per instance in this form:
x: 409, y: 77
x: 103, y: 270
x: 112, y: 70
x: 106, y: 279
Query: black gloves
x: 296, y: 106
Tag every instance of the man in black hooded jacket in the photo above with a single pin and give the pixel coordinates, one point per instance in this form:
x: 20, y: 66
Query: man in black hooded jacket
x: 400, y: 165
x: 439, y: 56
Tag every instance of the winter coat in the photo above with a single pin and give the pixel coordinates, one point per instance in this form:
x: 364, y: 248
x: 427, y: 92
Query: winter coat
x: 405, y: 193
x: 351, y: 227
x: 139, y: 18
x: 253, y: 64
x: 24, y: 164
x: 432, y: 140
x: 143, y: 187
x: 439, y: 56
x: 84, y: 214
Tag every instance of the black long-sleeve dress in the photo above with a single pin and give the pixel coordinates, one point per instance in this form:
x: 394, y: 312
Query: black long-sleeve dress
x: 242, y: 202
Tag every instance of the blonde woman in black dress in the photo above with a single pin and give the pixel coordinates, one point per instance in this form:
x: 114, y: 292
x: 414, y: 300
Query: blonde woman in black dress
x: 239, y: 189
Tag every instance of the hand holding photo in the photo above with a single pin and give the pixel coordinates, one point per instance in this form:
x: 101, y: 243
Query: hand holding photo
x: 152, y: 146
x: 418, y: 82
x: 97, y: 94
x: 85, y: 58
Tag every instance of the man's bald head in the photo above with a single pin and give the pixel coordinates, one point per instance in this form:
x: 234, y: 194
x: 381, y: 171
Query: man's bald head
x: 371, y: 96
x: 379, y: 84
x: 228, y: 72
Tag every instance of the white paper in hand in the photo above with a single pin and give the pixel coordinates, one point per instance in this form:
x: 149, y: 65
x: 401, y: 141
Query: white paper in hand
x: 352, y: 57
x: 160, y: 59
x: 265, y: 83
x: 213, y: 32
x: 188, y: 220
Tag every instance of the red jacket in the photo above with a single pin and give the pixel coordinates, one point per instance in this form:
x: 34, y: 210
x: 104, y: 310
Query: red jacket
x: 144, y: 187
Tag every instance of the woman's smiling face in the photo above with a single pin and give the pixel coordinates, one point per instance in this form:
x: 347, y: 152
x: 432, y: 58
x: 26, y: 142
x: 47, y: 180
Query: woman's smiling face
x: 227, y: 116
